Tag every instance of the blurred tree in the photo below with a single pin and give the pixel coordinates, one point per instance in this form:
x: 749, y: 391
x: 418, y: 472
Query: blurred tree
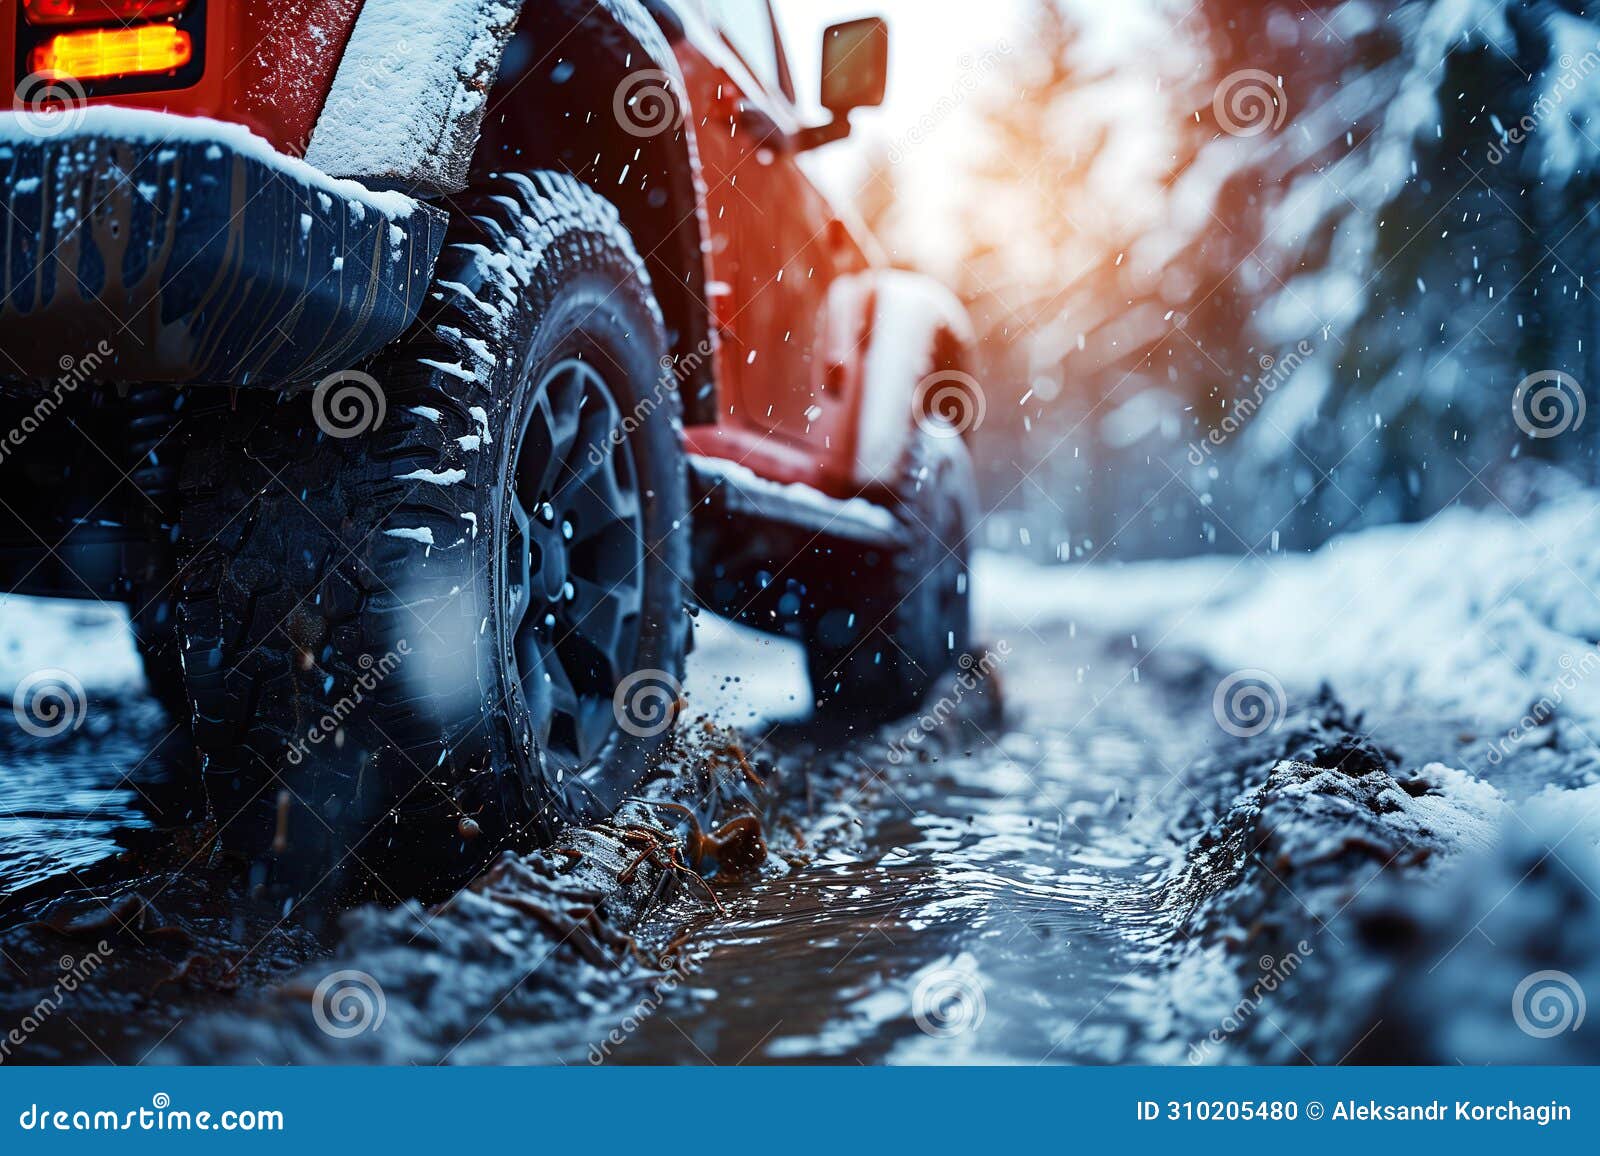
x: 1369, y: 223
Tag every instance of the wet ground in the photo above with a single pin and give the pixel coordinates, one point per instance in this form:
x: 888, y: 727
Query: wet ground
x: 1066, y: 860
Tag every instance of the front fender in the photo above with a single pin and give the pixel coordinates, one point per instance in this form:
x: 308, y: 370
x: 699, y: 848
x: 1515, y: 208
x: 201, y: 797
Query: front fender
x: 917, y: 328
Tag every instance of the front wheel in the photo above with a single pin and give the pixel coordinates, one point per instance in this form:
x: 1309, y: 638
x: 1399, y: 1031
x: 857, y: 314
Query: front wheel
x: 423, y: 603
x: 897, y: 619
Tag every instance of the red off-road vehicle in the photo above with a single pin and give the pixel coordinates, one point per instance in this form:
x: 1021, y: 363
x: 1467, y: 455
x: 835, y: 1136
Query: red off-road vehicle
x: 412, y: 370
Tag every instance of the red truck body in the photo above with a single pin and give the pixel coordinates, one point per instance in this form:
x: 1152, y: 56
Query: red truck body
x: 538, y: 338
x: 265, y: 64
x: 788, y: 290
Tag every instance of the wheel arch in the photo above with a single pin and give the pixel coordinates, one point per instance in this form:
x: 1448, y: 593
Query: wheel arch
x: 568, y: 70
x: 917, y: 328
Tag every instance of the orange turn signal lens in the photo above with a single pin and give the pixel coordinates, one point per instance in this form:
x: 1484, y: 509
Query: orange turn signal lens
x: 114, y: 52
x: 99, y: 11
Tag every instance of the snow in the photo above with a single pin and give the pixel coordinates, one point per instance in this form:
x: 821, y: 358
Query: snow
x: 828, y: 509
x: 1476, y: 615
x: 1568, y: 814
x: 146, y: 126
x: 1113, y: 598
x: 411, y: 89
x: 481, y: 417
x: 741, y: 677
x: 466, y: 291
x: 451, y: 368
x: 412, y: 534
x: 90, y: 640
x: 434, y: 477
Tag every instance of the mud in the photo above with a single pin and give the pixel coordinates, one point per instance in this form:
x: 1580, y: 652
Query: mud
x: 1070, y: 863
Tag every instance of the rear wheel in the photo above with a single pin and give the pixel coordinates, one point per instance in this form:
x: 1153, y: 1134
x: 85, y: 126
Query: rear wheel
x: 417, y: 602
x: 899, y: 618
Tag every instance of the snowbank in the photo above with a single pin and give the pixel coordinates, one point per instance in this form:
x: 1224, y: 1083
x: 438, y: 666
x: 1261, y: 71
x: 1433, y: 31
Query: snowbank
x: 1331, y: 912
x: 1014, y: 593
x: 91, y: 641
x: 1475, y: 615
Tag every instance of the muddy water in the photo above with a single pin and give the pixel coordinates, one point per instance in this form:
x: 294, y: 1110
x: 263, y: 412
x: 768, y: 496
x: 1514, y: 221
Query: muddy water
x: 69, y: 803
x: 980, y: 899
x: 977, y: 908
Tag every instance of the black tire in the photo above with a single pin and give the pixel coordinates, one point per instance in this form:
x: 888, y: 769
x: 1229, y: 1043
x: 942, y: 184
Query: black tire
x: 155, y: 629
x: 879, y: 638
x: 373, y: 579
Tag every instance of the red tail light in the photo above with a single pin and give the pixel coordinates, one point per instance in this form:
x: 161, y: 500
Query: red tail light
x: 113, y: 47
x: 99, y: 11
x: 101, y: 53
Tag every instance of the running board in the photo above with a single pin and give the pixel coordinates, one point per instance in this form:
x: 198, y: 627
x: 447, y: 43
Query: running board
x: 766, y: 554
x: 722, y: 487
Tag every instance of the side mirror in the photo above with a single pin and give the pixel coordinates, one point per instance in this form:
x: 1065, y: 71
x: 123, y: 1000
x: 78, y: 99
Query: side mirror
x: 855, y: 65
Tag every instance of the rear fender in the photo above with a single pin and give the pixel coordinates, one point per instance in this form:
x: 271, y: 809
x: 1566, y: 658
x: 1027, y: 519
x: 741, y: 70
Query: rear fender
x: 593, y: 89
x: 411, y: 91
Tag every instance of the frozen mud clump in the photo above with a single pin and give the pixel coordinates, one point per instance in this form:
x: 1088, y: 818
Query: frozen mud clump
x: 535, y: 937
x: 1259, y: 913
x: 1494, y: 965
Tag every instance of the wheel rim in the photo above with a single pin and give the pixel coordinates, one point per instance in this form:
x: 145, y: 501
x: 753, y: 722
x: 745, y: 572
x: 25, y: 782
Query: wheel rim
x: 574, y: 588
